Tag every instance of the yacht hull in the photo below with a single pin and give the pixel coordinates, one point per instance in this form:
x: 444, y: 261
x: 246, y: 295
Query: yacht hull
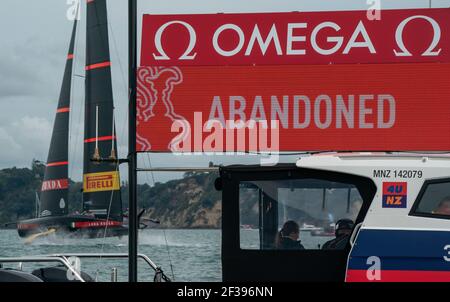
x: 73, y: 226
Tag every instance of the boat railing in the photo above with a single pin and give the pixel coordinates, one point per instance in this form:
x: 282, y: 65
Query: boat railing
x: 44, y: 259
x: 64, y: 259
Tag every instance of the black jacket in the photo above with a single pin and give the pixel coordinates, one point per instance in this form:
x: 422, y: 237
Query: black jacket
x: 287, y: 243
x: 338, y: 243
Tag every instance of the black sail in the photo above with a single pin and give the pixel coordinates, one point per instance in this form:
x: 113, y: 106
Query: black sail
x: 54, y: 190
x: 101, y: 181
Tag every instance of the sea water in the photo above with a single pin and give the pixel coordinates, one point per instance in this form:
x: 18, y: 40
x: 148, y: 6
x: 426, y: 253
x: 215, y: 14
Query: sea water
x: 184, y: 255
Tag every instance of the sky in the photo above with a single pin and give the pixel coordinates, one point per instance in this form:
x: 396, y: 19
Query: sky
x: 35, y: 37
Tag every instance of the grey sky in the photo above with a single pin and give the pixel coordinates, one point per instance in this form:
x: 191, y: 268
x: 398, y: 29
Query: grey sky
x: 35, y: 37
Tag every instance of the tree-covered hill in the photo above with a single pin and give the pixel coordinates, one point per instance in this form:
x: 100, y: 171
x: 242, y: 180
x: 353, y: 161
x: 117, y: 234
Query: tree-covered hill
x: 191, y: 202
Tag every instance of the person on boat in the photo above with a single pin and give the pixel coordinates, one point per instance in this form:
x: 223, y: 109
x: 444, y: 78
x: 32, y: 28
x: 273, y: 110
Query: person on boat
x: 444, y: 207
x: 343, y: 231
x: 287, y: 237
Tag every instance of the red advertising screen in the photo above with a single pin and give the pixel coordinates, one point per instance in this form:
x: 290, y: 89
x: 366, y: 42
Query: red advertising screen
x: 295, y: 81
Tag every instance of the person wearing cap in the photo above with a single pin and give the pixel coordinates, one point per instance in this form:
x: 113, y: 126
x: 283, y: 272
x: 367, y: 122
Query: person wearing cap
x: 343, y: 231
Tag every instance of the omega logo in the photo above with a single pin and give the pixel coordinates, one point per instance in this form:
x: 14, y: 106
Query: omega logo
x: 192, y: 41
x: 404, y: 52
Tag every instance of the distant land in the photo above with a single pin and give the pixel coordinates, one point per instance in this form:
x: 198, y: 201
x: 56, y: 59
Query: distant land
x: 190, y: 202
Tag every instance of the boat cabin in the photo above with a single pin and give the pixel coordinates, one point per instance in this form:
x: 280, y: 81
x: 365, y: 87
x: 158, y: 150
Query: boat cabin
x: 399, y: 206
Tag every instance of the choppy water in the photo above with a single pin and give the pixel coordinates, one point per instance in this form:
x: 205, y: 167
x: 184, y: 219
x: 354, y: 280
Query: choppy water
x: 194, y: 254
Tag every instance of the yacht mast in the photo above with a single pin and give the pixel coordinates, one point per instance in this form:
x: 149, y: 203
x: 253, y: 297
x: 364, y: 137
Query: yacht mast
x: 101, y: 180
x: 132, y: 157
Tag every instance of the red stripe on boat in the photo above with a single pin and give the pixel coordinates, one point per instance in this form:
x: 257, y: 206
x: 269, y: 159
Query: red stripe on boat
x: 60, y: 163
x: 89, y: 1
x: 70, y: 56
x: 399, y: 276
x: 61, y: 110
x: 96, y: 224
x: 27, y: 226
x: 100, y: 139
x: 98, y: 65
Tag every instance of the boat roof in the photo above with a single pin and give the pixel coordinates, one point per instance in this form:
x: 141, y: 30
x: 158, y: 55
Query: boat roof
x: 347, y: 162
x: 385, y: 154
x: 315, y: 159
x: 376, y: 159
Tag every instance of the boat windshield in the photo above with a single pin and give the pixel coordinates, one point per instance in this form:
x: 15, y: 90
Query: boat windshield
x: 434, y: 200
x: 313, y: 206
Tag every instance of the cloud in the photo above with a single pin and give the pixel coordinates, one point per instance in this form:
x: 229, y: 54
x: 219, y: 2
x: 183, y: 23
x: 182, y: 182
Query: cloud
x: 9, y: 145
x: 24, y: 140
x: 16, y: 76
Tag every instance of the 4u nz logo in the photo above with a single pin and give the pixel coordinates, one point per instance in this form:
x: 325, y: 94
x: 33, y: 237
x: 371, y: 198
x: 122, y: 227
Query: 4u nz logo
x: 395, y: 194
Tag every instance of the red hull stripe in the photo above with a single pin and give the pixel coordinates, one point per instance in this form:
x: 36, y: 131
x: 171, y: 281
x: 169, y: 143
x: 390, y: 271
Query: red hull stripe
x: 100, y: 139
x: 27, y: 226
x: 89, y: 1
x: 400, y: 276
x: 70, y: 56
x: 96, y: 224
x: 61, y: 110
x: 98, y: 65
x: 60, y: 163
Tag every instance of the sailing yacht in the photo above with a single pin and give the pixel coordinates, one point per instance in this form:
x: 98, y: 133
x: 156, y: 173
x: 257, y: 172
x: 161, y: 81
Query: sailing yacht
x: 102, y: 213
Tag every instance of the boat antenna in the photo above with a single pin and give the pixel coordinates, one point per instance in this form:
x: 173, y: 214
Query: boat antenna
x: 113, y: 151
x: 164, y: 231
x: 96, y: 155
x: 168, y: 253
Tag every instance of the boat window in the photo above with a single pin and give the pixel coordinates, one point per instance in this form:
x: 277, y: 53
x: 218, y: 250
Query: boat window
x: 434, y: 200
x: 314, y: 205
